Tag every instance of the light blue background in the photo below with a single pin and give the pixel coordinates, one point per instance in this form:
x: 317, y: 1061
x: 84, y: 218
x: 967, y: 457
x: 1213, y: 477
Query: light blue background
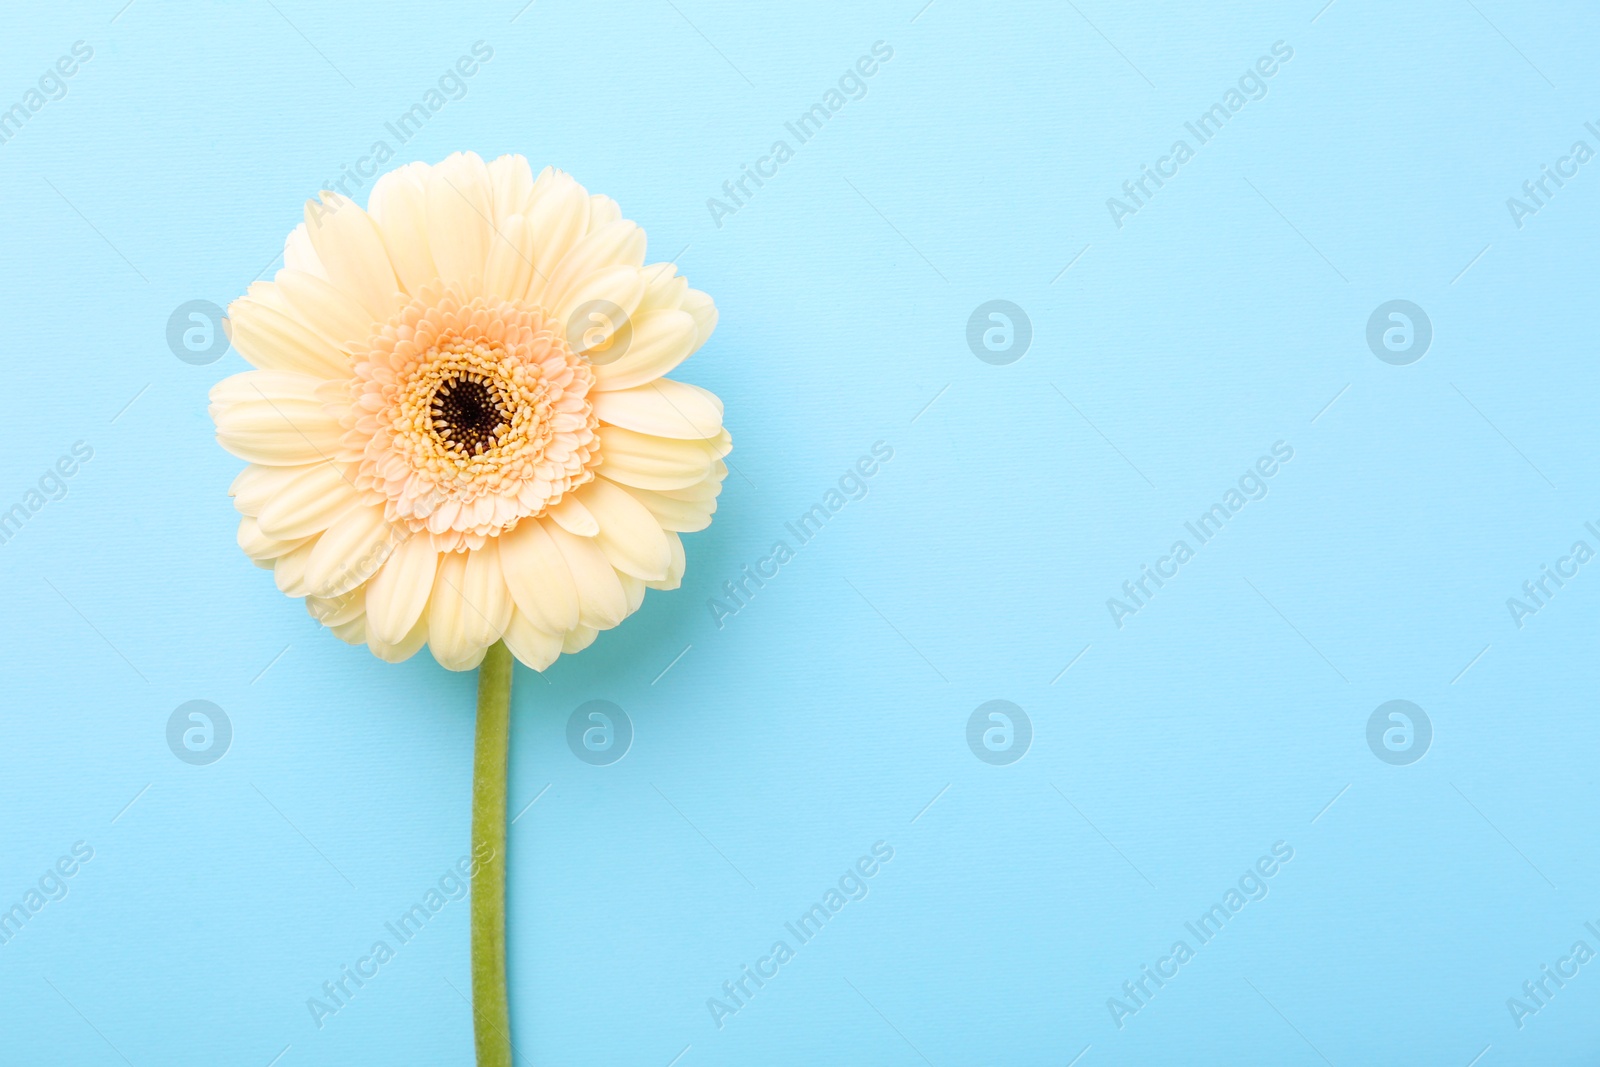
x: 829, y: 712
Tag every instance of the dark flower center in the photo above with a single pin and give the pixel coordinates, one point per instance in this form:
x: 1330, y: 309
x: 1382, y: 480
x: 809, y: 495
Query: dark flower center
x: 467, y: 416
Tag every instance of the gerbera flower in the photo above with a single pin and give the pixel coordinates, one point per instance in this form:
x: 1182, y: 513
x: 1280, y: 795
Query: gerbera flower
x: 459, y: 430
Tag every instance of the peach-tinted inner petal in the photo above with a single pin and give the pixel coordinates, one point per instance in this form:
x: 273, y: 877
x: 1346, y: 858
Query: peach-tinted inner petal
x: 468, y: 416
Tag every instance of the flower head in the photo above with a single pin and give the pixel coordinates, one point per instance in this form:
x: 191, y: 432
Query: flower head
x: 459, y: 430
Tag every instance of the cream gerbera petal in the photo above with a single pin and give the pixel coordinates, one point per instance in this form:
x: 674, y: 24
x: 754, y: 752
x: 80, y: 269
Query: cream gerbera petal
x: 253, y: 486
x: 616, y: 291
x: 539, y: 578
x: 343, y: 559
x: 558, y: 219
x: 351, y: 632
x: 440, y: 450
x: 308, y: 503
x: 352, y: 252
x: 664, y: 288
x: 265, y: 387
x: 647, y: 462
x: 484, y: 592
x: 400, y: 208
x: 511, y: 184
x: 285, y: 431
x: 397, y: 595
x: 335, y: 611
x: 603, y: 211
x: 570, y: 514
x: 448, y: 629
x: 632, y: 588
x: 674, y: 515
x: 704, y: 312
x: 510, y: 266
x: 289, y: 569
x: 272, y: 337
x: 332, y: 313
x: 675, y: 570
x: 601, y: 601
x: 460, y: 212
x: 579, y: 639
x: 661, y: 341
x: 261, y: 548
x: 299, y: 254
x: 664, y: 408
x: 530, y: 644
x: 405, y: 648
x: 619, y: 243
x: 703, y: 491
x: 631, y: 538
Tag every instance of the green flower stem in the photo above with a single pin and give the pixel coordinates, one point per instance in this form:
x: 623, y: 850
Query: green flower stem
x: 491, y: 1013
